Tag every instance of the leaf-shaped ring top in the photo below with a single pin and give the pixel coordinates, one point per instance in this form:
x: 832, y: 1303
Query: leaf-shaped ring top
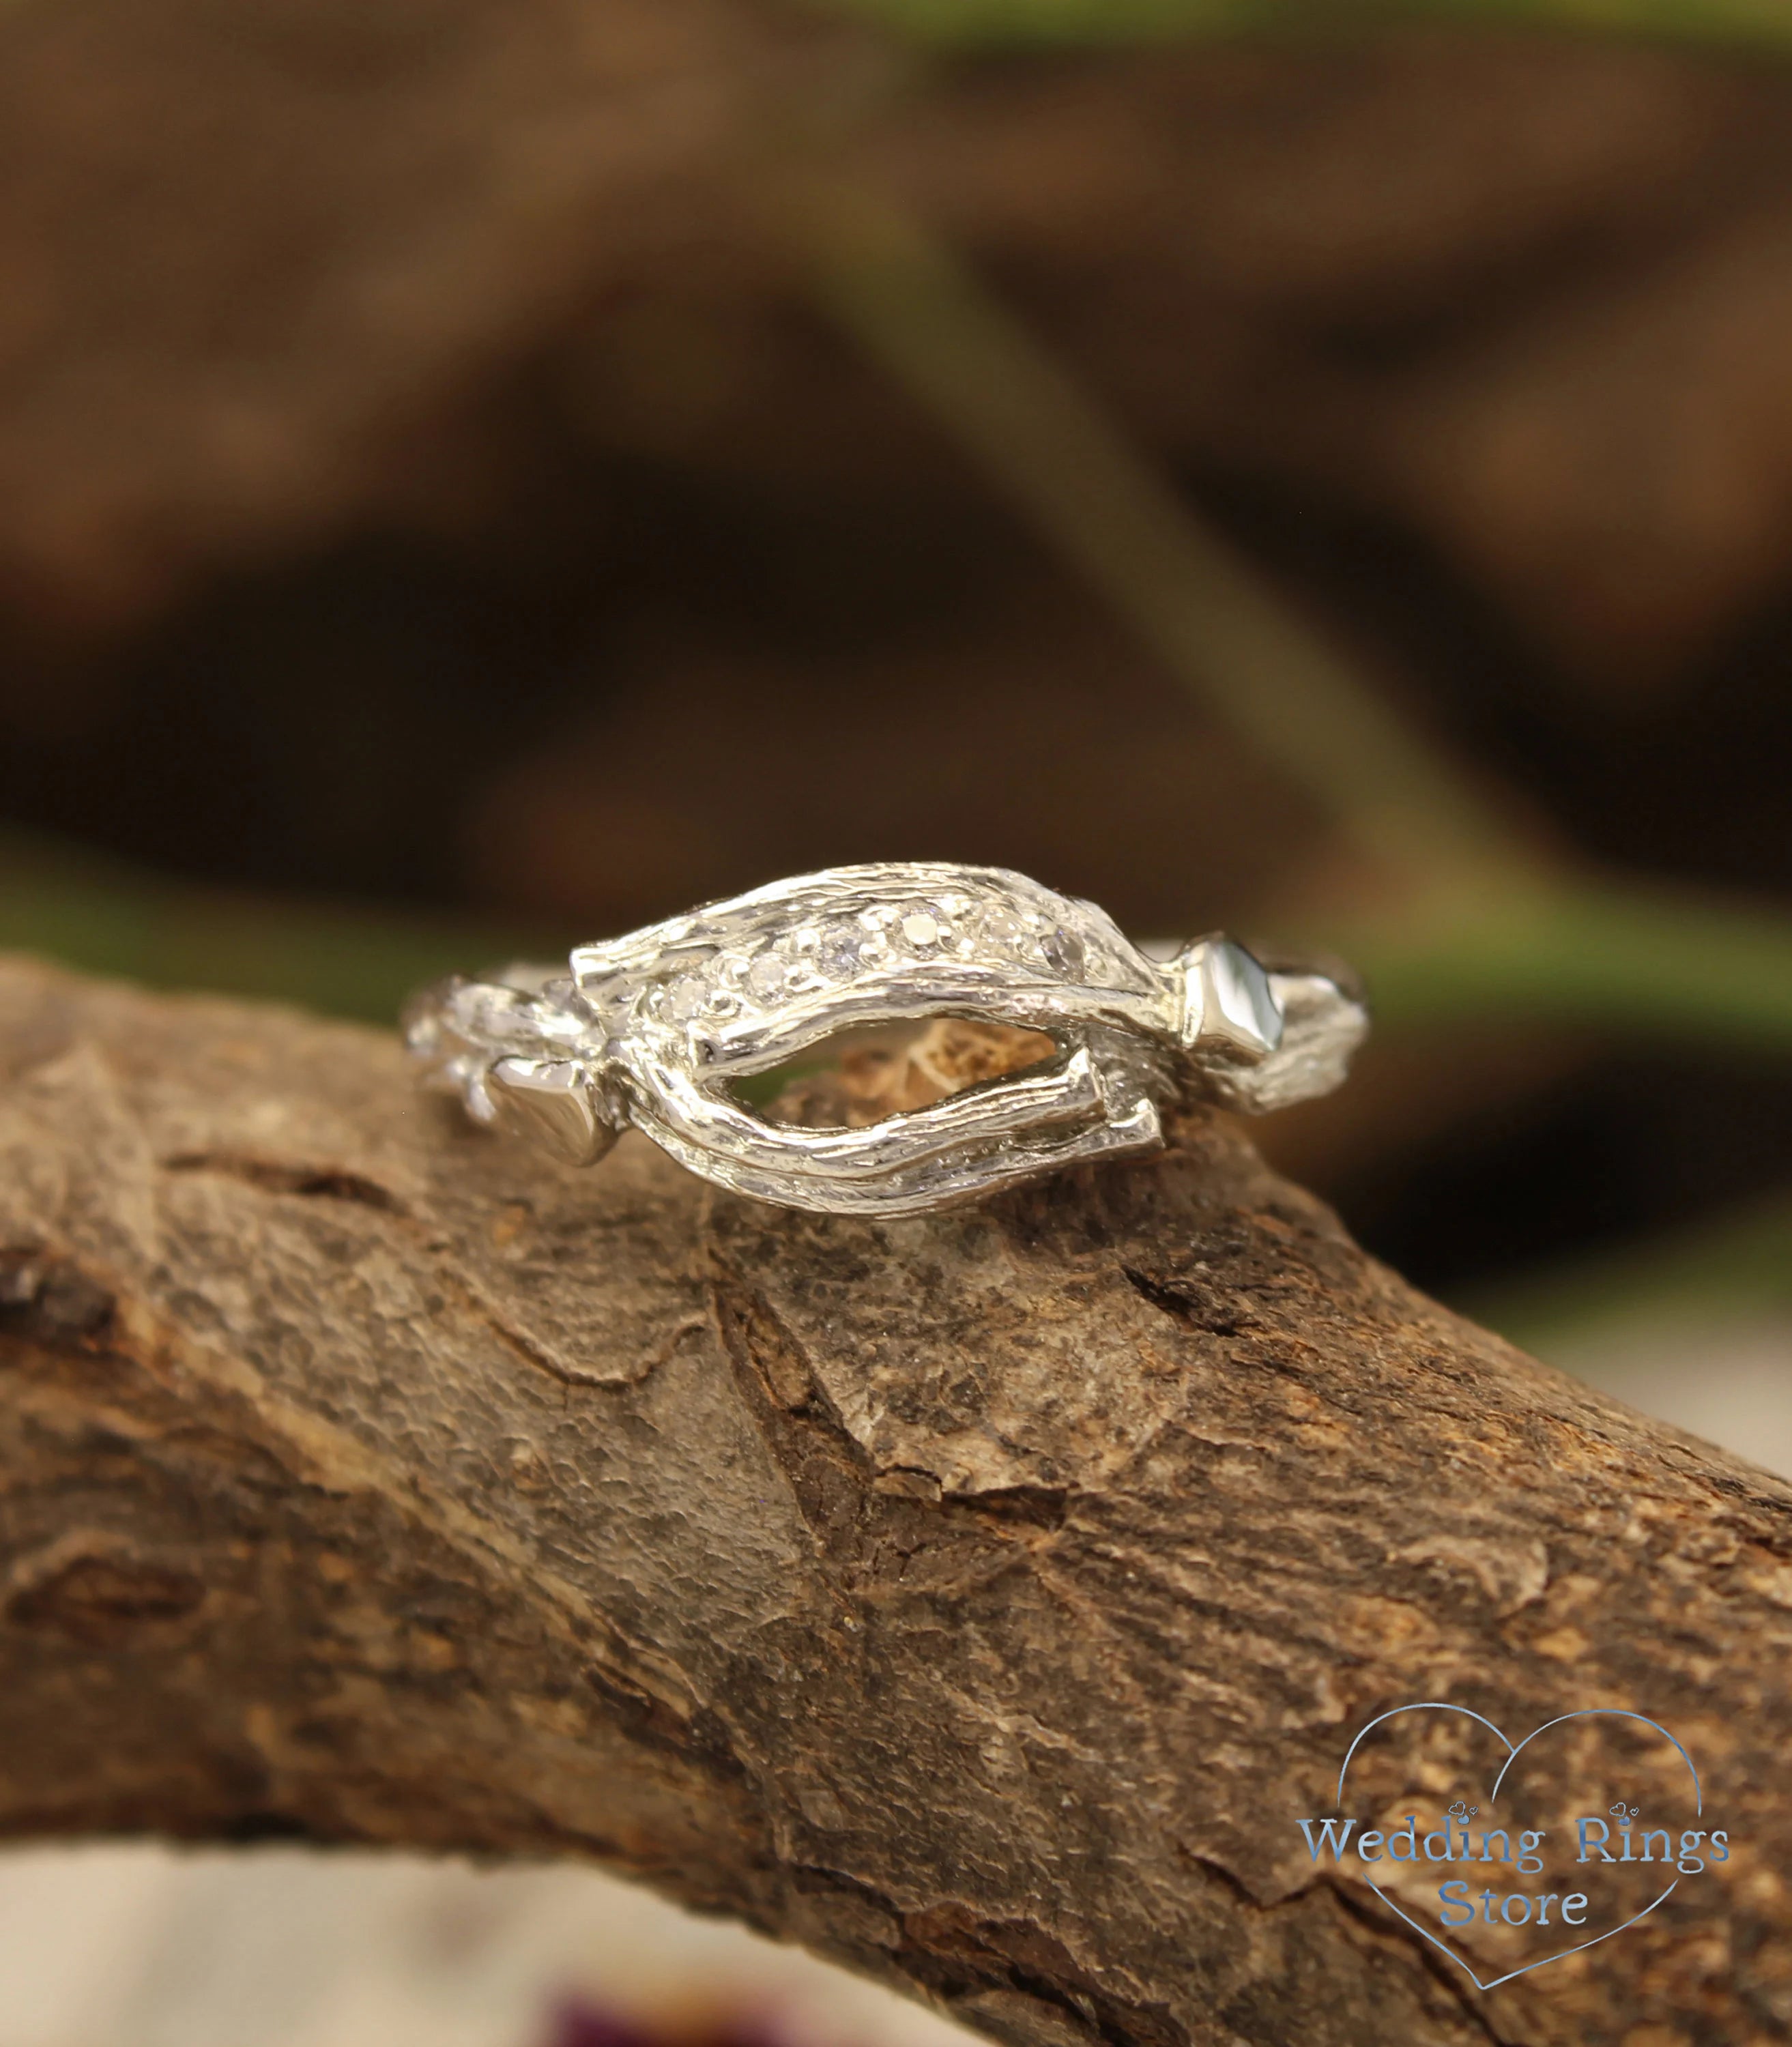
x: 652, y: 1030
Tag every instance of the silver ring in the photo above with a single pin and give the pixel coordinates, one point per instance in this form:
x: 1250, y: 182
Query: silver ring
x: 655, y: 1030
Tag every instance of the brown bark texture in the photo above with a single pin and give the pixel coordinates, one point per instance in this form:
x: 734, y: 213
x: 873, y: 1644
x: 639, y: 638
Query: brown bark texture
x: 980, y: 1600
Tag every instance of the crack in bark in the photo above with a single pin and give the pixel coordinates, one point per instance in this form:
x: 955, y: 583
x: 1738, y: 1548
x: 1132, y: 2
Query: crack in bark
x: 1460, y: 1992
x: 276, y: 1176
x: 1195, y: 1306
x: 46, y: 1297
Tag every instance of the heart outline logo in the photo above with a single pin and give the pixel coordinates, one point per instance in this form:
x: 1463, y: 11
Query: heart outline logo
x: 1513, y: 1752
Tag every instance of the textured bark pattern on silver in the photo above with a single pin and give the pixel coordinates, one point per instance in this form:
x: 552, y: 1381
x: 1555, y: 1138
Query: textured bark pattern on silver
x: 653, y: 1030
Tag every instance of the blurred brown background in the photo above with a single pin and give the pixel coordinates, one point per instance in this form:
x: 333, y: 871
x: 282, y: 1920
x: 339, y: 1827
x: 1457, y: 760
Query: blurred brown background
x: 479, y: 472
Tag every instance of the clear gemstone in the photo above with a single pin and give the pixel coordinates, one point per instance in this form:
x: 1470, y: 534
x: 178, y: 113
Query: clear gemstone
x: 767, y: 977
x: 1001, y: 929
x: 686, y: 1000
x: 848, y: 949
x: 837, y: 949
x: 1063, y: 951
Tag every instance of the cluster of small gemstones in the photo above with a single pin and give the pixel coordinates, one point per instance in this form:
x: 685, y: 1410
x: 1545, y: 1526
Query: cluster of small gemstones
x: 736, y: 977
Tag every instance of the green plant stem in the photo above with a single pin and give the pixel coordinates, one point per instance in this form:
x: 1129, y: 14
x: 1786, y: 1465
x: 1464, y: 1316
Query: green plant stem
x: 107, y: 918
x: 972, y: 24
x: 1633, y: 958
x: 1733, y: 1267
x: 1047, y: 446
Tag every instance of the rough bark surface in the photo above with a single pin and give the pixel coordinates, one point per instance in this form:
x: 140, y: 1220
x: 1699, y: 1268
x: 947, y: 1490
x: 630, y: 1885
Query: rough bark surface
x: 979, y: 1600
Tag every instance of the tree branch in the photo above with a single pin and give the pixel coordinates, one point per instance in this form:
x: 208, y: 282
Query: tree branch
x: 979, y: 1599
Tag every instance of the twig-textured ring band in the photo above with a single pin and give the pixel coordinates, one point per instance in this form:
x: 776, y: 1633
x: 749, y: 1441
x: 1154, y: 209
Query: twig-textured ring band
x: 655, y: 1030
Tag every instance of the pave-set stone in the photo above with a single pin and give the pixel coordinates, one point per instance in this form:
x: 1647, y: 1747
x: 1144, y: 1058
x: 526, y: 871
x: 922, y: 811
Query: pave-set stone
x: 653, y: 1030
x: 706, y: 987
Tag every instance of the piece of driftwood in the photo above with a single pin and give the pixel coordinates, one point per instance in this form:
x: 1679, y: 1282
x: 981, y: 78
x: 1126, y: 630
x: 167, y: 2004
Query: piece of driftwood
x: 980, y: 1600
